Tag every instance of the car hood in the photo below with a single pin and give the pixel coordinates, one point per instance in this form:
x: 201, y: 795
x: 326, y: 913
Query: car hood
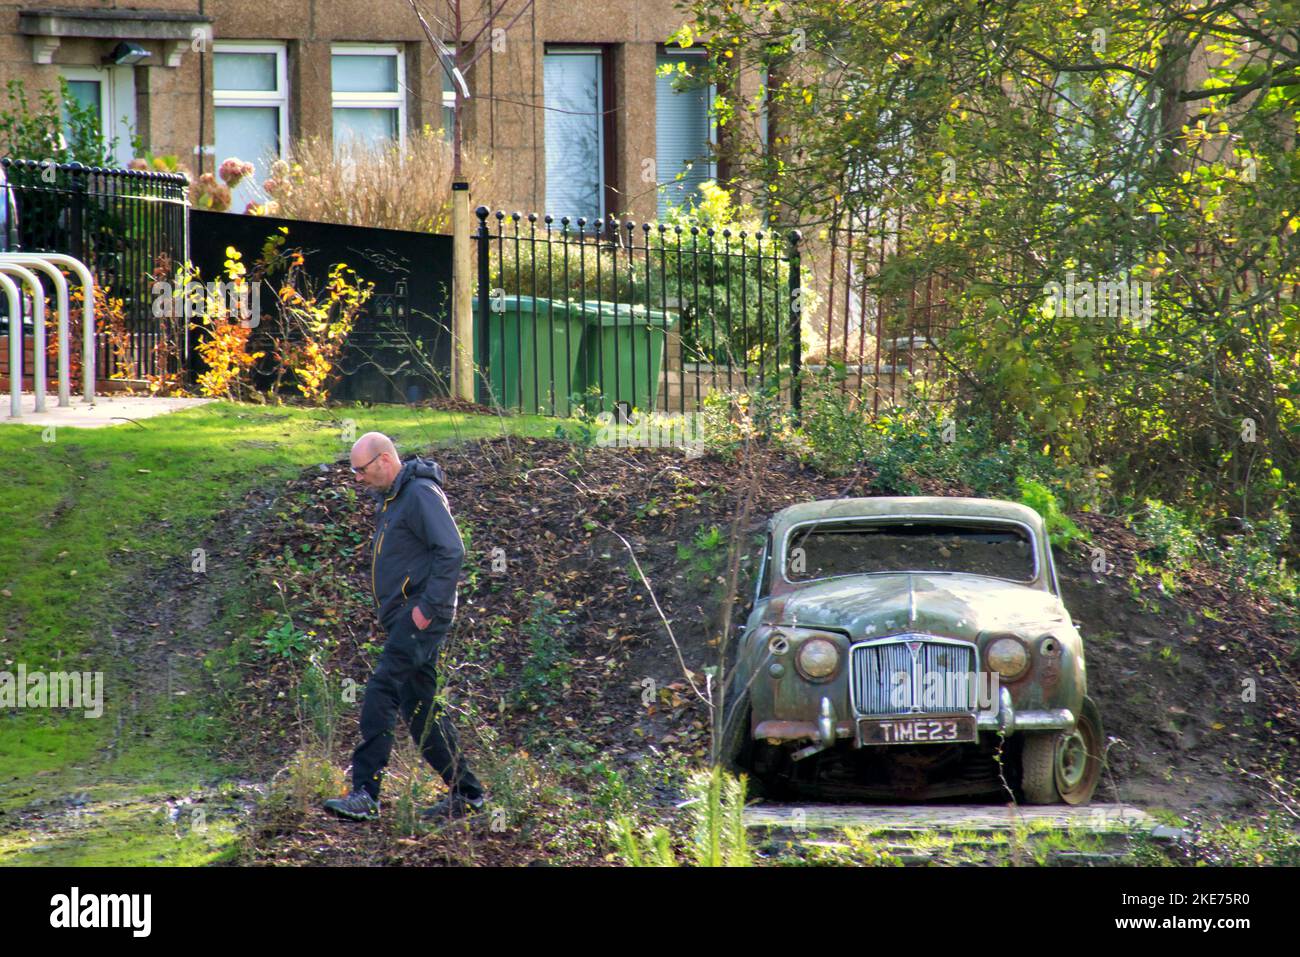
x: 956, y: 605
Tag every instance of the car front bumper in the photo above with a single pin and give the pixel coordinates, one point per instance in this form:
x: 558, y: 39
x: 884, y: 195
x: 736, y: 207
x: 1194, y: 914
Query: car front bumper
x: 827, y: 729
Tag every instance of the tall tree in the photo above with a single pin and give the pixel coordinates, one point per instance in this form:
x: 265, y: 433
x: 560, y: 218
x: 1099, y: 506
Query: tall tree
x: 1045, y: 156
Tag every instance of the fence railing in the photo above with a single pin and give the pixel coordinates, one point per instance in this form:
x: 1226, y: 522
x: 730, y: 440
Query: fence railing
x: 575, y: 315
x: 885, y: 340
x: 128, y: 226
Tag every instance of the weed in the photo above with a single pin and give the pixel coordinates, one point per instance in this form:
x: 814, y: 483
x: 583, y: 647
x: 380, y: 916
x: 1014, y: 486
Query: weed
x: 717, y: 839
x: 309, y: 778
x: 651, y: 849
x: 545, y: 674
x: 287, y: 640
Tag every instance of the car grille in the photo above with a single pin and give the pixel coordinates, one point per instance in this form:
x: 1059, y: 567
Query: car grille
x: 878, y: 689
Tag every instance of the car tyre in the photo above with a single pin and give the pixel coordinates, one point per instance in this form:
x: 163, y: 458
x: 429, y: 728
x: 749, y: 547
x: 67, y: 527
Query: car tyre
x: 1064, y: 768
x: 1038, y: 768
x: 736, y: 743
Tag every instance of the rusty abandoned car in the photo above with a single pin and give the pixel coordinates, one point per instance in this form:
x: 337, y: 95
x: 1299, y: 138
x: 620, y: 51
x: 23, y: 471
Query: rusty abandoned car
x: 897, y: 647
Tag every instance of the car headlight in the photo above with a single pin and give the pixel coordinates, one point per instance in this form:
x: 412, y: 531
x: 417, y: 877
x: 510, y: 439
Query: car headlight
x: 817, y: 658
x: 1007, y: 657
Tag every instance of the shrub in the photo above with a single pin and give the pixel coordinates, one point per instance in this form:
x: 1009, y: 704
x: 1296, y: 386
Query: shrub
x: 1254, y: 557
x: 546, y: 670
x: 224, y: 347
x: 372, y: 185
x: 835, y: 429
x: 59, y: 129
x: 311, y: 328
x: 1061, y: 531
x: 1173, y: 543
x: 208, y: 193
x: 718, y: 836
x: 309, y: 778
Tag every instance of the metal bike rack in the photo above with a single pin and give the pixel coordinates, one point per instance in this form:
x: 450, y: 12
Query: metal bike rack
x: 15, y: 345
x: 33, y: 284
x: 62, y: 301
x: 21, y: 265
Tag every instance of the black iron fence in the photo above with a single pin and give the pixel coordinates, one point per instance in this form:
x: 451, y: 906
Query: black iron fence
x: 128, y: 226
x: 572, y: 315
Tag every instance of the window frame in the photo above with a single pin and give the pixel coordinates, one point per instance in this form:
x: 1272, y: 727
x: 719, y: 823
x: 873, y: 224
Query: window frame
x: 116, y: 96
x: 710, y: 97
x: 342, y: 100
x: 1034, y: 540
x: 256, y: 98
x: 448, y: 87
x: 605, y: 135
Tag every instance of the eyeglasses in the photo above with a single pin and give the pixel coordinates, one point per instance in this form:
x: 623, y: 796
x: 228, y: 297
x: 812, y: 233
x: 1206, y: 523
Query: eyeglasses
x: 358, y: 469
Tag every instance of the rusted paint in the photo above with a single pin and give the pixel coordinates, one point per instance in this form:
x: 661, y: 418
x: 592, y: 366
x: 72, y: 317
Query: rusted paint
x: 785, y: 730
x: 797, y: 730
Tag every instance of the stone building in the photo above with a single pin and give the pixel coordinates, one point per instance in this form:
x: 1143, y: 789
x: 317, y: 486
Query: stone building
x: 565, y: 97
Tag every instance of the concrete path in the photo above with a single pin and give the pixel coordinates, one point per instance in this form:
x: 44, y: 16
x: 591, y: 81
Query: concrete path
x: 105, y: 410
x: 946, y: 817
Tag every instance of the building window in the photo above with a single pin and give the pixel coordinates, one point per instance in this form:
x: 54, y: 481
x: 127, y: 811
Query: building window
x: 448, y: 101
x: 575, y: 132
x: 251, y: 109
x: 110, y: 92
x: 369, y: 85
x: 683, y: 129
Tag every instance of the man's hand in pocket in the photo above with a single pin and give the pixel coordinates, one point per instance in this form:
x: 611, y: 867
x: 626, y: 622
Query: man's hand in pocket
x: 421, y: 622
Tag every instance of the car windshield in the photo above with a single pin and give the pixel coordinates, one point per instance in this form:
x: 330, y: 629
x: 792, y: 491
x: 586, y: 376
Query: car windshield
x: 859, y: 547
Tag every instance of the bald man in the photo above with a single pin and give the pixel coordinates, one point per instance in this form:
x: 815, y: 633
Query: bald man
x: 415, y: 560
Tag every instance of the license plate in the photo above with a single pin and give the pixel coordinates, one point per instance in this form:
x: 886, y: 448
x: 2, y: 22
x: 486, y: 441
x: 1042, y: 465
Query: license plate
x: 939, y: 730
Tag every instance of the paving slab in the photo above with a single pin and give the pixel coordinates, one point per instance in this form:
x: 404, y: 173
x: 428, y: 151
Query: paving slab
x: 948, y: 817
x: 104, y: 411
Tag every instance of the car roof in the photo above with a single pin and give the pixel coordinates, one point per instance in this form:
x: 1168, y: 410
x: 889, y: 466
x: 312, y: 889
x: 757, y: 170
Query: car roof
x: 903, y: 505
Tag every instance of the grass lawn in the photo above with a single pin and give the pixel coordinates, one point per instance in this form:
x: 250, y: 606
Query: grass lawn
x: 81, y: 515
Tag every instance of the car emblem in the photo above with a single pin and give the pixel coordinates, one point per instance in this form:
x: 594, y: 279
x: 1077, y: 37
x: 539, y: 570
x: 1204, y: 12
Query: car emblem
x: 914, y: 647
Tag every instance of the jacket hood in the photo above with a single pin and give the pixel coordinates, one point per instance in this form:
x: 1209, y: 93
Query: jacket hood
x: 417, y: 468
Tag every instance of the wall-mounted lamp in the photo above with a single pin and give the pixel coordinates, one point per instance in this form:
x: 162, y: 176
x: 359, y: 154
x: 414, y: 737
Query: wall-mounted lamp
x: 127, y: 53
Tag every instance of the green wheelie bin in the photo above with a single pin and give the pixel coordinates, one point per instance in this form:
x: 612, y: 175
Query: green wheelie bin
x: 535, y: 347
x: 623, y: 352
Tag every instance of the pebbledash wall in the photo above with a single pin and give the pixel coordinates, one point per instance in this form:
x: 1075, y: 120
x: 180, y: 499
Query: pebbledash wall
x: 170, y: 97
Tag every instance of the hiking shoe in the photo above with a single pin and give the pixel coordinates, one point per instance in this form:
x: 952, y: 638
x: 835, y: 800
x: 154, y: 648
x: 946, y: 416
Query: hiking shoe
x: 357, y: 806
x: 451, y: 807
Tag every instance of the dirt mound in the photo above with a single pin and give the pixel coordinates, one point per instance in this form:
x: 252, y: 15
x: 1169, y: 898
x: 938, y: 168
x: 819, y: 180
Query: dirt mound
x: 561, y: 657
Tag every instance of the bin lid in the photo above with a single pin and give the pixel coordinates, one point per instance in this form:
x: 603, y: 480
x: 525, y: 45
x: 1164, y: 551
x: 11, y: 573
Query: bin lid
x: 534, y: 304
x: 609, y: 313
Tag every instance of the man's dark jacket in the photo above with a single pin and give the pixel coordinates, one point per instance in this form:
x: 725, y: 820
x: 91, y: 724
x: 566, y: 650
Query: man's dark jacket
x: 417, y: 552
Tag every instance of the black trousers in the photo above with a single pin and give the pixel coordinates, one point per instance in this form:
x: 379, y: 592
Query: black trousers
x: 406, y: 678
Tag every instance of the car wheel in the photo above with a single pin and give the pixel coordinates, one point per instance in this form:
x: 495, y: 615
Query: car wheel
x: 735, y: 743
x: 1064, y: 768
x: 1078, y: 759
x: 1038, y: 768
